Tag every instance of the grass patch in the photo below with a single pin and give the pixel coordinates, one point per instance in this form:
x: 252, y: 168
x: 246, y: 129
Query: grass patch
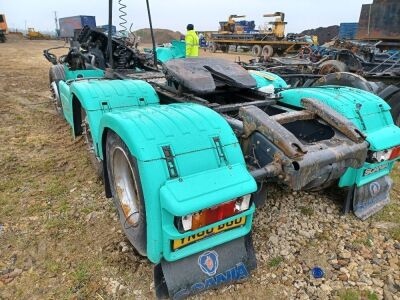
x: 395, y: 233
x: 274, y: 262
x: 307, y: 211
x: 53, y: 266
x: 64, y: 206
x: 55, y: 189
x: 81, y: 275
x: 58, y: 222
x: 322, y: 236
x: 368, y: 241
x: 369, y: 295
x: 391, y: 214
x: 351, y: 294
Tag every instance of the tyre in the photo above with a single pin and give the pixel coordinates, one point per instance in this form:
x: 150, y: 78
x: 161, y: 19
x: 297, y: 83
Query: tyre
x: 267, y: 51
x: 394, y: 102
x: 56, y: 74
x: 225, y: 49
x: 256, y: 50
x: 127, y: 191
x: 87, y: 135
x: 212, y: 48
x: 345, y: 79
x: 332, y: 66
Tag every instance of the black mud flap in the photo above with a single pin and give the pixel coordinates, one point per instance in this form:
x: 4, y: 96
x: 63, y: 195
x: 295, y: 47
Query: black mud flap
x: 210, y: 269
x: 371, y: 197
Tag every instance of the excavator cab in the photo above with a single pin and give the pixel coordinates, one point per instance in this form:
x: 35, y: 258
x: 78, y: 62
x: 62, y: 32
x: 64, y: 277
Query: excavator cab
x: 231, y: 26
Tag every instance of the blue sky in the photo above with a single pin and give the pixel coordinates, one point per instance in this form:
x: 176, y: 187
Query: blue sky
x: 175, y: 14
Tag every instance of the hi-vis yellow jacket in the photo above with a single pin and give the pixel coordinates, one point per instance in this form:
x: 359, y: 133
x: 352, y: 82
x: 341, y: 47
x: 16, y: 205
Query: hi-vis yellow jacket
x: 192, y: 44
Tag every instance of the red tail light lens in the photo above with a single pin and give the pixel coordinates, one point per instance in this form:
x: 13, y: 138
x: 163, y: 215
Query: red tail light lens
x: 395, y: 153
x: 214, y: 214
x: 384, y: 155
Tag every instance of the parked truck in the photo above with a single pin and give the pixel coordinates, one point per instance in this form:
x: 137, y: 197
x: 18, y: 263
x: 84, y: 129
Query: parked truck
x: 68, y: 25
x: 184, y: 152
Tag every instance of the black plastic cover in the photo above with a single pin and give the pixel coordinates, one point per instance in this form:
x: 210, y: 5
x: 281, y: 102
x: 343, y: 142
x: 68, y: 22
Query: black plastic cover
x: 199, y: 75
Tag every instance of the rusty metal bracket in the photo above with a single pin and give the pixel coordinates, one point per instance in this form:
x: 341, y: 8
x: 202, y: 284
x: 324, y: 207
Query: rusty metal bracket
x: 292, y: 116
x: 254, y: 119
x: 333, y: 118
x: 269, y: 171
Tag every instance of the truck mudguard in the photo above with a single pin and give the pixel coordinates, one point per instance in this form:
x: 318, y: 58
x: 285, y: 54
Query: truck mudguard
x: 207, y: 168
x: 98, y: 96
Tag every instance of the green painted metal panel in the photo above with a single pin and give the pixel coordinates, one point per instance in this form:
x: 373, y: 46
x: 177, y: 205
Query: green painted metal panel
x: 266, y: 78
x: 109, y: 94
x: 177, y: 50
x: 178, y: 195
x: 198, y: 191
x: 190, y: 124
x: 79, y: 74
x: 356, y: 176
x: 100, y: 96
x: 189, y: 130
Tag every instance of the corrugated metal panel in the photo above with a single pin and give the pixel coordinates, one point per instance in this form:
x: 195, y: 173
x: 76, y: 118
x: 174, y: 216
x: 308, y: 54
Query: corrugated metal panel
x: 69, y: 24
x: 348, y: 31
x: 380, y: 20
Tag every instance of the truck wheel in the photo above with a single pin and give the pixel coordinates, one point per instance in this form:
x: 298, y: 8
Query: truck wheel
x: 394, y: 102
x: 332, y: 66
x: 256, y: 50
x: 345, y: 79
x: 225, y: 49
x: 56, y: 74
x: 127, y: 191
x: 212, y: 48
x: 267, y: 51
x: 87, y: 134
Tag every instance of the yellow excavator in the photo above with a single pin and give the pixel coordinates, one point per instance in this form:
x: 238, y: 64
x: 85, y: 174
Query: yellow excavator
x: 36, y: 35
x: 231, y: 26
x: 278, y: 25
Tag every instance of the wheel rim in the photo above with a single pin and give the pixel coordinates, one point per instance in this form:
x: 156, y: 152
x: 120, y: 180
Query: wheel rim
x: 56, y: 96
x: 125, y: 186
x: 87, y: 134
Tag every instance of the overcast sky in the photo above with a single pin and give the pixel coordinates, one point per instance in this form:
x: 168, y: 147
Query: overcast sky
x: 175, y: 14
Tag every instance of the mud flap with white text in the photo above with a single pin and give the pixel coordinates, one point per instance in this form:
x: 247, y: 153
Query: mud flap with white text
x: 224, y: 264
x: 371, y: 197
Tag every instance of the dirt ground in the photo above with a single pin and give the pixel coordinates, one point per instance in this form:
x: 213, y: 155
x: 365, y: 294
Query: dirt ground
x: 60, y: 237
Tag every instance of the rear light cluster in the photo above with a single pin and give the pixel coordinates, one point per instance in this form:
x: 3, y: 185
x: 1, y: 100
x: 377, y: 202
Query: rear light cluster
x: 388, y: 154
x: 212, y: 215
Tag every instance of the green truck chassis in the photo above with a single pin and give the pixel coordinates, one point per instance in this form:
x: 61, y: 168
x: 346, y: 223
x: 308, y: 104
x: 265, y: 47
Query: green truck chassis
x: 185, y: 151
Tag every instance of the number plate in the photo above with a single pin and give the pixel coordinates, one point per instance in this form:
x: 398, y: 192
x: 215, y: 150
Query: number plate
x: 206, y: 233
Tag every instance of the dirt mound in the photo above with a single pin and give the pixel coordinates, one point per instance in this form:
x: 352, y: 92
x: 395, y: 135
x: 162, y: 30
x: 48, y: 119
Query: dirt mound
x: 161, y: 35
x: 325, y: 34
